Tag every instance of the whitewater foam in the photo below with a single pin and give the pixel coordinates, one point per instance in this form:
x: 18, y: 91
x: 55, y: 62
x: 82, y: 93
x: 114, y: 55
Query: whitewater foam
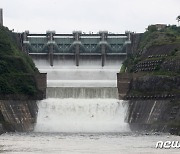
x: 81, y: 115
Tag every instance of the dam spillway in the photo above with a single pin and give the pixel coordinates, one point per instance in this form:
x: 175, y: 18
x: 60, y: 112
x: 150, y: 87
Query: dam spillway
x: 81, y: 115
x: 83, y: 97
x: 89, y: 82
x: 82, y: 92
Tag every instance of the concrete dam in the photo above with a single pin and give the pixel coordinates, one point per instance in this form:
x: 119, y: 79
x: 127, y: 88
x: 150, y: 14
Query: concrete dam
x: 76, y: 48
x: 81, y: 69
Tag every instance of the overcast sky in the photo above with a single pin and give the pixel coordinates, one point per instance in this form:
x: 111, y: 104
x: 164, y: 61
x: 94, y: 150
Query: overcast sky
x: 88, y: 15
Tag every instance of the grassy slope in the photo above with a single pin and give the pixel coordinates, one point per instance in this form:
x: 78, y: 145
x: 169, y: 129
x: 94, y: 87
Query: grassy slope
x: 16, y: 68
x: 152, y: 37
x: 168, y: 35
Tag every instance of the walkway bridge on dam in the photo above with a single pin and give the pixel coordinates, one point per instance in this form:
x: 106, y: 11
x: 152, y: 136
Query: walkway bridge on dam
x: 76, y: 46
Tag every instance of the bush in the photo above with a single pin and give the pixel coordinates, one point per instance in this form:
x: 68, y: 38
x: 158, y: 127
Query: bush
x: 152, y: 28
x: 5, y: 87
x: 17, y: 84
x: 169, y: 35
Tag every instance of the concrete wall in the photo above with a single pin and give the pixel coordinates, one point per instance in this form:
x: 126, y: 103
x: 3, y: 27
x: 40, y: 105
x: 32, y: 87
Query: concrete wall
x: 41, y: 81
x: 123, y: 84
x: 156, y: 115
x: 18, y: 115
x: 138, y: 86
x: 1, y: 129
x: 135, y: 40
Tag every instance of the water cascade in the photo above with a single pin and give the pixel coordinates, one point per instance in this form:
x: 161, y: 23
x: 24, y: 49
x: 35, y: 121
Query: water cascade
x: 81, y: 115
x: 81, y: 99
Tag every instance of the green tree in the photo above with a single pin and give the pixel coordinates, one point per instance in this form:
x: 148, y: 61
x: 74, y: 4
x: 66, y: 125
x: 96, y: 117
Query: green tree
x: 178, y: 19
x: 152, y: 28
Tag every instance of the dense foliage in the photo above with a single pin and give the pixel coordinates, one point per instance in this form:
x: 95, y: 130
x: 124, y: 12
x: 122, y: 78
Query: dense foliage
x: 16, y: 68
x: 153, y: 36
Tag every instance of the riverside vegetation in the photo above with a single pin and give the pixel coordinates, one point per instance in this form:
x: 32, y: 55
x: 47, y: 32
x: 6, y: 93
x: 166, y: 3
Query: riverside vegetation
x: 16, y: 68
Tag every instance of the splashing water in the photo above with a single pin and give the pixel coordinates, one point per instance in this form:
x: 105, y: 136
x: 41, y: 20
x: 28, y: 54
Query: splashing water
x: 81, y: 115
x: 81, y: 99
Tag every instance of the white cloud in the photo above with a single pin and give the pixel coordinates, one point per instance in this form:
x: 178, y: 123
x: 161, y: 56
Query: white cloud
x: 88, y: 15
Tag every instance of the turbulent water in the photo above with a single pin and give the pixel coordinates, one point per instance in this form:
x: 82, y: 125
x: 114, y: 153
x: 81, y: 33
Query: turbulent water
x: 81, y: 99
x: 82, y: 115
x: 82, y: 92
x: 81, y: 77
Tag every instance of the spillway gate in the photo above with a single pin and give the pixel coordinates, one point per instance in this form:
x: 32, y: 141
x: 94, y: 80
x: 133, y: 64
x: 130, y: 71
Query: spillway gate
x: 76, y: 46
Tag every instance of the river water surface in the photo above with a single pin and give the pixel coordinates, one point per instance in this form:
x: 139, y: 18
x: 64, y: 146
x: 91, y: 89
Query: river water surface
x: 84, y: 143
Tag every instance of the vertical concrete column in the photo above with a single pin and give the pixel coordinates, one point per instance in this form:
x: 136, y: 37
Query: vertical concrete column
x: 26, y: 42
x: 51, y: 49
x: 1, y: 17
x: 103, y: 56
x: 104, y: 35
x: 51, y: 54
x: 76, y: 36
x: 77, y: 46
x: 50, y: 36
x: 129, y: 35
x: 128, y: 42
x: 77, y: 55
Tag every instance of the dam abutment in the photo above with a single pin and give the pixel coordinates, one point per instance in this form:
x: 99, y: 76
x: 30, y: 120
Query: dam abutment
x: 153, y: 104
x: 154, y: 115
x: 18, y: 115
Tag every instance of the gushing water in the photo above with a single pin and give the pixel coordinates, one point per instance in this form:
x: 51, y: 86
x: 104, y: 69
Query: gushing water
x: 80, y: 77
x: 81, y: 99
x: 81, y: 115
x: 82, y: 92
